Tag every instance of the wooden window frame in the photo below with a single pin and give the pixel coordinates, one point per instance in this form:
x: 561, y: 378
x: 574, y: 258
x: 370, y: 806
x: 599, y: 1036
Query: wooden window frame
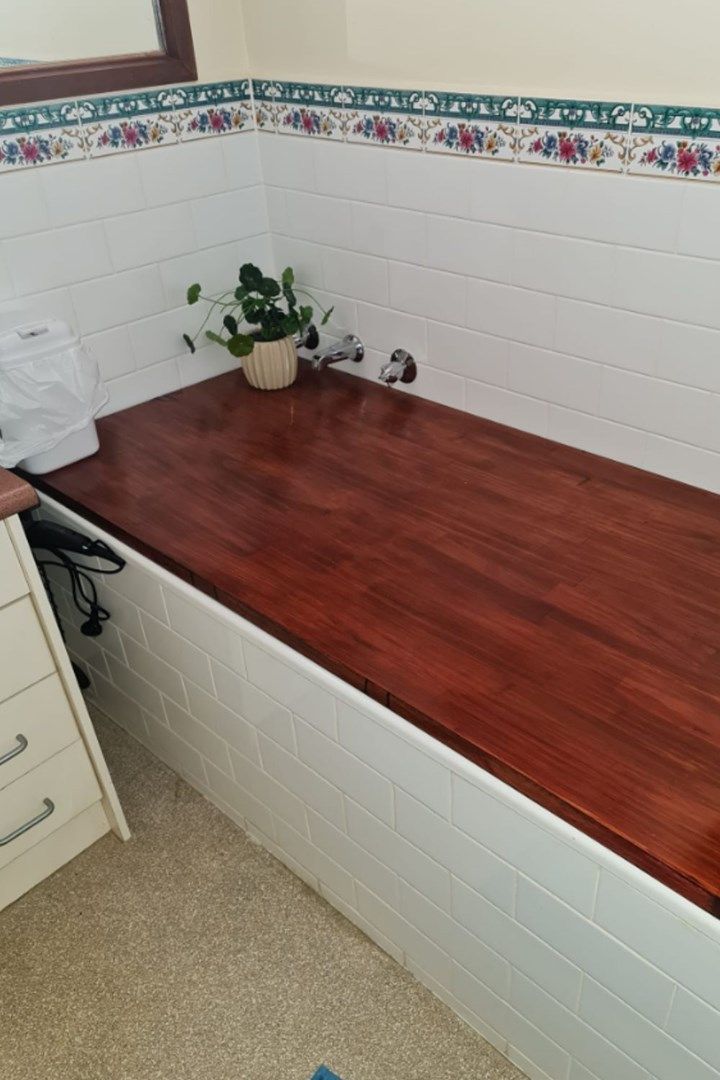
x: 175, y: 63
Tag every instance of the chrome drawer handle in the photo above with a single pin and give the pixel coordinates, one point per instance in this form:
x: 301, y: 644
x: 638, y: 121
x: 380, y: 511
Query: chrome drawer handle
x: 22, y: 744
x: 49, y: 807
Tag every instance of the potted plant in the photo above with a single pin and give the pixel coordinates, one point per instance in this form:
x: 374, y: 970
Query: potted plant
x: 271, y: 311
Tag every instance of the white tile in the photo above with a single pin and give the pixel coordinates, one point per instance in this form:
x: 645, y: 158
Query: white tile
x: 277, y: 209
x: 230, y: 216
x: 318, y: 218
x: 509, y: 312
x: 113, y: 351
x: 354, y: 859
x: 470, y: 1018
x: 414, y: 944
x: 118, y: 706
x: 287, y: 163
x: 150, y: 235
x: 316, y: 861
x: 303, y: 256
x: 434, y: 385
x: 186, y: 171
x: 481, y: 1001
x: 614, y: 441
x: 409, y: 768
x: 135, y: 687
x: 565, y: 267
x: 527, y: 1067
x: 688, y: 464
x: 123, y: 613
x: 205, y: 741
x: 430, y: 293
x: 179, y: 653
x: 119, y: 298
x: 302, y: 781
x: 672, y: 286
x: 173, y: 750
x: 682, y: 952
x: 367, y: 928
x: 205, y: 363
x: 242, y: 160
x: 89, y: 190
x: 455, y: 850
x: 665, y: 408
x: 644, y: 1042
x: 433, y: 183
x: 521, y: 198
x: 241, y: 801
x: 350, y: 172
x: 7, y: 289
x: 215, y: 268
x: 262, y: 787
x: 699, y: 232
x: 291, y: 689
x: 507, y: 407
x: 569, y: 1031
x: 594, y: 952
x: 208, y: 633
x: 386, y: 330
x: 455, y: 940
x: 142, y: 386
x: 362, y: 277
x: 579, y: 1072
x: 61, y: 257
x: 697, y: 1026
x: 55, y: 304
x: 466, y: 247
x: 233, y: 729
x: 155, y: 671
x: 258, y: 709
x: 22, y: 208
x: 411, y: 864
x: 160, y: 337
x: 618, y: 338
x: 346, y: 771
x: 390, y: 232
x: 517, y: 945
x: 554, y: 377
x: 686, y: 354
x: 557, y: 866
x: 141, y: 588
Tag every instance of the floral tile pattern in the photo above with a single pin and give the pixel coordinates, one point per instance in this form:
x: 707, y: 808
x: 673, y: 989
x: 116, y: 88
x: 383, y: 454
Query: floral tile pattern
x: 674, y: 141
x: 212, y: 109
x: 300, y: 108
x: 124, y: 122
x: 585, y: 134
x: 384, y: 117
x: 39, y: 135
x: 471, y: 124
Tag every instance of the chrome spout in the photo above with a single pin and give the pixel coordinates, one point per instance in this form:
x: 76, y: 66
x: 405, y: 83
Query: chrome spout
x: 350, y: 348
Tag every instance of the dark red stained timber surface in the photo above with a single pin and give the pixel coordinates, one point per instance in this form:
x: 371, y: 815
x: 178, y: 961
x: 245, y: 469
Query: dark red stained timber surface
x: 553, y: 616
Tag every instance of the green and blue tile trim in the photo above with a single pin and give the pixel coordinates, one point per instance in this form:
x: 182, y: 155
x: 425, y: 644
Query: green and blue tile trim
x: 621, y: 137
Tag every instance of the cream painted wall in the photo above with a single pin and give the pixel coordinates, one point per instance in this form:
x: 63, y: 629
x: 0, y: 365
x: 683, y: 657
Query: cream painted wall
x: 619, y: 50
x: 219, y: 36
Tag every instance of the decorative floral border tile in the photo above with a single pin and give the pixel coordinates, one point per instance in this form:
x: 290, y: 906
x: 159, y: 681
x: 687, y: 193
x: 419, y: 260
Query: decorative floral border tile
x: 580, y: 134
x: 675, y: 141
x: 123, y: 122
x: 40, y: 135
x: 384, y: 117
x: 474, y: 125
x: 292, y: 108
x: 212, y: 109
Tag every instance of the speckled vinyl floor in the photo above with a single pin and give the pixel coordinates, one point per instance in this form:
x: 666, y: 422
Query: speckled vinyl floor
x: 191, y: 954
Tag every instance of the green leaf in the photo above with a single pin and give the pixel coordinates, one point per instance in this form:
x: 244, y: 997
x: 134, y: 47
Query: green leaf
x: 240, y: 293
x: 240, y: 345
x: 326, y: 316
x: 189, y: 342
x: 290, y: 324
x: 289, y: 295
x: 269, y: 287
x: 306, y: 314
x: 230, y: 324
x: 193, y: 294
x: 212, y: 336
x: 288, y: 276
x: 251, y: 277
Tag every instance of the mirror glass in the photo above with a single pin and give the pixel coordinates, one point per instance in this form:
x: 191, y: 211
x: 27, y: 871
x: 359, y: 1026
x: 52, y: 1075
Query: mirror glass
x: 37, y: 32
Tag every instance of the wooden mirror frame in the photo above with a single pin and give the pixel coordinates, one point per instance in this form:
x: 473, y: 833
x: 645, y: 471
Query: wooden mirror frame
x: 80, y: 78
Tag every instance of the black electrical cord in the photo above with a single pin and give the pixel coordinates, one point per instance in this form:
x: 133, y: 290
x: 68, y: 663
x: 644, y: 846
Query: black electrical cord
x: 84, y: 592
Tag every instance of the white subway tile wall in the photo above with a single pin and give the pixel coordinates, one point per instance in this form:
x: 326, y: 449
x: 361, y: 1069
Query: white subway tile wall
x: 612, y: 284
x: 111, y: 245
x: 571, y: 961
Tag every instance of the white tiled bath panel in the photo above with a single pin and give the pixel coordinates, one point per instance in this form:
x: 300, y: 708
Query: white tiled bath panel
x: 610, y: 282
x: 571, y: 961
x: 110, y: 245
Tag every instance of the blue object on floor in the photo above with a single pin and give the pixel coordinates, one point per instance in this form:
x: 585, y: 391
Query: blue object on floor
x: 324, y: 1074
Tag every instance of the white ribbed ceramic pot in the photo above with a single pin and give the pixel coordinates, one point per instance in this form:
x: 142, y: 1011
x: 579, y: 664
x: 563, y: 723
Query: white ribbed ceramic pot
x: 272, y: 365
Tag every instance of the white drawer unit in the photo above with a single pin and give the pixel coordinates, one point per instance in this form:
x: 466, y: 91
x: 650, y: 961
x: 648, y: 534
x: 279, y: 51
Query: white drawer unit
x: 34, y: 725
x: 56, y: 795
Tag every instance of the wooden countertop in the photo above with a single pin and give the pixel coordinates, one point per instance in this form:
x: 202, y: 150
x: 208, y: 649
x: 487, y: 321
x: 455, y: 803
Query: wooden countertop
x: 551, y: 615
x: 16, y: 495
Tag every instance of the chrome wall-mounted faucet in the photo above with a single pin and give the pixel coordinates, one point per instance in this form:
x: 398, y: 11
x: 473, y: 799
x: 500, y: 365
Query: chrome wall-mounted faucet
x: 400, y: 368
x: 350, y: 348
